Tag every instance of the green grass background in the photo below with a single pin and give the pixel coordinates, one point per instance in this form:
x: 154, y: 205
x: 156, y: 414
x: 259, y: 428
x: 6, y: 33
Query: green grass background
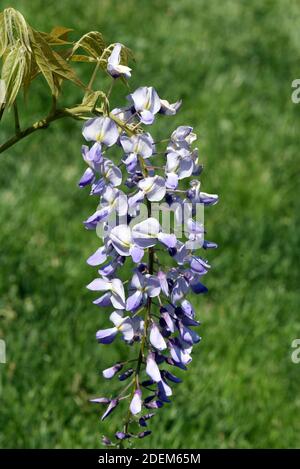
x: 232, y: 62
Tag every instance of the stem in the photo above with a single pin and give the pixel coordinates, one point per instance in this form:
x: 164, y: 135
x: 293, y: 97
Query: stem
x: 41, y: 124
x: 97, y: 68
x: 2, y: 107
x: 147, y: 318
x: 94, y: 75
x: 110, y: 89
x: 17, y: 120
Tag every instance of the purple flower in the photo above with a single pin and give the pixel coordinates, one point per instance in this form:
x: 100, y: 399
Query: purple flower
x: 144, y: 434
x: 110, y: 372
x: 87, y: 178
x: 145, y: 234
x: 122, y: 435
x: 156, y: 338
x: 154, y: 188
x: 169, y: 109
x: 110, y: 176
x: 100, y: 400
x: 126, y: 374
x: 106, y: 441
x: 152, y: 369
x: 141, y: 288
x: 122, y: 240
x: 102, y: 130
x: 93, y: 156
x: 138, y: 145
x: 114, y: 286
x: 136, y: 402
x: 151, y: 313
x: 114, y: 68
x: 182, y: 137
x: 122, y: 324
x: 112, y: 405
x: 143, y: 420
x: 146, y: 103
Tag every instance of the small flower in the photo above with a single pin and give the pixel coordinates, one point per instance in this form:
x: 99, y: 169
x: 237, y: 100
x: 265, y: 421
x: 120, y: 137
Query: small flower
x: 110, y: 372
x: 114, y: 68
x: 143, y: 420
x: 156, y: 338
x: 152, y: 369
x: 112, y: 200
x: 87, y: 178
x: 112, y: 405
x: 100, y: 400
x: 122, y: 324
x: 122, y: 240
x: 145, y: 234
x: 182, y: 137
x: 123, y: 114
x: 110, y: 175
x: 122, y: 435
x: 154, y: 188
x: 98, y: 257
x: 138, y: 145
x: 146, y: 103
x: 142, y: 287
x: 126, y: 374
x: 144, y: 434
x: 114, y: 286
x: 106, y: 441
x: 102, y: 130
x: 136, y: 403
x: 169, y: 109
x: 179, y: 166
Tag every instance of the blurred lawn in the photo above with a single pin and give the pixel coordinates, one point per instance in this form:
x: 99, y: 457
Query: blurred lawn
x: 232, y: 62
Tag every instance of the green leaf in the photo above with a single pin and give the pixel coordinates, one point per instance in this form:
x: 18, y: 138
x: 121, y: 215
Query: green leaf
x: 3, y: 36
x: 13, y: 72
x: 82, y: 58
x: 60, y: 32
x: 14, y: 31
x: 52, y: 40
x: 126, y: 55
x: 58, y: 36
x: 52, y: 65
x: 92, y: 43
x: 91, y: 98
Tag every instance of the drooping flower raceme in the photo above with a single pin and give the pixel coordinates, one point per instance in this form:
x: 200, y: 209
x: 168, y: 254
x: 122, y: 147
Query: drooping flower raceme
x: 146, y: 270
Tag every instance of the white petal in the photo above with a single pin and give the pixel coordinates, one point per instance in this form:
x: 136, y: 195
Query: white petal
x: 91, y: 129
x: 136, y: 402
x: 127, y: 143
x: 145, y: 233
x: 139, y: 97
x: 153, y: 187
x: 114, y: 175
x: 152, y: 369
x: 156, y: 338
x: 118, y: 293
x: 114, y: 57
x: 98, y: 257
x: 121, y: 239
x: 99, y: 284
x: 116, y: 317
x: 127, y: 330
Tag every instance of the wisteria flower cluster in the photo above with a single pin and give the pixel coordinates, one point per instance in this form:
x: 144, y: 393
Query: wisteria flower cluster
x: 132, y: 173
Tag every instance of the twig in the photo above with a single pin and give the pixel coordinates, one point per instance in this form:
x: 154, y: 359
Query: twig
x: 17, y: 120
x: 39, y: 125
